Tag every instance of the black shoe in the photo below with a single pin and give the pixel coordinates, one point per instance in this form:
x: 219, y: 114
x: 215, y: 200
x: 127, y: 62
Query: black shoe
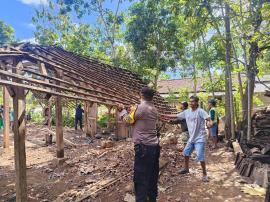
x: 183, y: 171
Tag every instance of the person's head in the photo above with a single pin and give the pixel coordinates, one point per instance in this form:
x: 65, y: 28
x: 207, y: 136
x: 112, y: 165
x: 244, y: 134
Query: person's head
x: 212, y: 103
x: 184, y: 105
x: 194, y: 101
x: 120, y: 107
x: 147, y: 93
x: 79, y: 106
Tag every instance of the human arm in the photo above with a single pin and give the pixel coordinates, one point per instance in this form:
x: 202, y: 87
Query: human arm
x: 175, y: 118
x: 207, y: 118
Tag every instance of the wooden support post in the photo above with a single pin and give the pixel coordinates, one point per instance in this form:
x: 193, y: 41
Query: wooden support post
x: 48, y: 120
x: 50, y: 113
x: 116, y: 116
x: 122, y: 130
x: 110, y: 124
x: 6, y: 98
x: 59, y: 123
x: 90, y: 119
x: 19, y: 144
x: 59, y: 128
x: 87, y: 106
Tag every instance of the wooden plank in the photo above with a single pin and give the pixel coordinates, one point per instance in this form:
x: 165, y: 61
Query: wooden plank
x: 19, y: 144
x: 237, y: 148
x: 59, y: 124
x: 59, y: 128
x: 87, y: 106
x: 42, y: 90
x: 58, y: 87
x: 6, y: 98
x: 91, y: 121
x: 44, y: 72
x: 116, y: 122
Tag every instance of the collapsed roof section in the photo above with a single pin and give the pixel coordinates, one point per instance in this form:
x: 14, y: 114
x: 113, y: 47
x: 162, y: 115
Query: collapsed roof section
x: 52, y: 71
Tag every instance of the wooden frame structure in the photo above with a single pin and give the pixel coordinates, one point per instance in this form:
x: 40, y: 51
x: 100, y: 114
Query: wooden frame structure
x: 51, y: 72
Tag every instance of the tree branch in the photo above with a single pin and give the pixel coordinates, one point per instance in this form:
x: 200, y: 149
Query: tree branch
x: 262, y: 83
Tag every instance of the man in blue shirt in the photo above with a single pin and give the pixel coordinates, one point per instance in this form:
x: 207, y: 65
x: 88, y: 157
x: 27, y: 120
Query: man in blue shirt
x: 78, y: 116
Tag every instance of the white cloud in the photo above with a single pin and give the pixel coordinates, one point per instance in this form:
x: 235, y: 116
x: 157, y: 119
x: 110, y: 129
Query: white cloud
x: 34, y: 2
x: 30, y: 26
x: 30, y: 40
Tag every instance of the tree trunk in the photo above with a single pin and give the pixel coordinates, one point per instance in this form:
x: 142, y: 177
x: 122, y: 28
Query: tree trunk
x: 249, y: 92
x: 229, y: 107
x: 156, y: 76
x: 251, y: 69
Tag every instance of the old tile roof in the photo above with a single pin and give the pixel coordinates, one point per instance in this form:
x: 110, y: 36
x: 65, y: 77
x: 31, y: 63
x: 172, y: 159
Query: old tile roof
x: 174, y: 85
x: 50, y: 70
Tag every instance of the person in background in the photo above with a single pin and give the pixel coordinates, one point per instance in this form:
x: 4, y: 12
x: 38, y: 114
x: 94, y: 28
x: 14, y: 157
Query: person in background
x: 121, y: 111
x: 195, y: 118
x: 47, y: 116
x: 2, y: 109
x: 1, y: 117
x: 183, y: 123
x: 213, y: 127
x: 1, y: 121
x: 144, y: 118
x: 11, y: 117
x: 78, y: 116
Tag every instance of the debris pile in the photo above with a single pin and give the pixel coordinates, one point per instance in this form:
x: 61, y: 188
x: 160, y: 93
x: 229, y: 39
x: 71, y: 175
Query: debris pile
x: 253, y: 158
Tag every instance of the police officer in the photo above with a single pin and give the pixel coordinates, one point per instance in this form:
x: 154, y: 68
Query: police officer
x: 147, y: 150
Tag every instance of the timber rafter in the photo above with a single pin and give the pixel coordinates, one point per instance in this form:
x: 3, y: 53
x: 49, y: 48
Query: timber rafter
x: 82, y: 79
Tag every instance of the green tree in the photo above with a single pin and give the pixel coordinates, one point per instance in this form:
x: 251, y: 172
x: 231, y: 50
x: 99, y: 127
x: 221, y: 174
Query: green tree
x: 56, y: 28
x: 151, y: 30
x: 6, y: 33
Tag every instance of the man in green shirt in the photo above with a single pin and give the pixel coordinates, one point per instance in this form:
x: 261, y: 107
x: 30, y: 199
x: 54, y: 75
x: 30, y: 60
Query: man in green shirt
x: 213, y: 128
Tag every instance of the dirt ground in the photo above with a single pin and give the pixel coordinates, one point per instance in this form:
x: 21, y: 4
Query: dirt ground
x: 93, y: 173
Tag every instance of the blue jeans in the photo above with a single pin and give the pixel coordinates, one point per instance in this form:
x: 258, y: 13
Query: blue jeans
x: 214, y: 130
x: 146, y: 169
x: 78, y: 120
x: 198, y: 146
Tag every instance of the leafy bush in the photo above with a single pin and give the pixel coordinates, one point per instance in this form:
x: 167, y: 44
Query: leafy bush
x: 37, y: 117
x: 103, y: 120
x: 68, y: 121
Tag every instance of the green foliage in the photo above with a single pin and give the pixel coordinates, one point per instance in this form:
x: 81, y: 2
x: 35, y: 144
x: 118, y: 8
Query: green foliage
x: 183, y: 94
x: 68, y: 120
x: 103, y: 120
x: 164, y: 76
x: 172, y: 98
x: 151, y: 30
x: 6, y: 33
x: 37, y: 117
x: 56, y: 28
x: 57, y: 25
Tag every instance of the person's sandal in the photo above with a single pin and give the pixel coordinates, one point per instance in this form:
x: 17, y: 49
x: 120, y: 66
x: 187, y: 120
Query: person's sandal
x: 205, y: 178
x: 183, y: 171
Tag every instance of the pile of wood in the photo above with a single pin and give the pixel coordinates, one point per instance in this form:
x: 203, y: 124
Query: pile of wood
x: 252, y: 165
x: 258, y: 148
x: 253, y: 158
x: 261, y: 127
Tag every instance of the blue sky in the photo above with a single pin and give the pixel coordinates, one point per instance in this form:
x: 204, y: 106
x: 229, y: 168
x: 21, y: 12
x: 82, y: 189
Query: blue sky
x: 18, y: 14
